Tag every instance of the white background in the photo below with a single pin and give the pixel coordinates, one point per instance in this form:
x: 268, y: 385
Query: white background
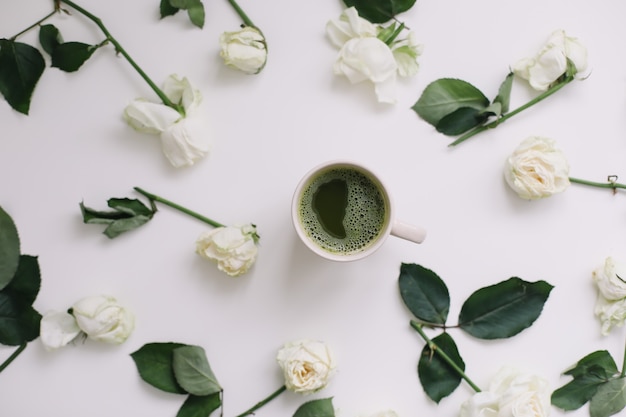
x: 267, y: 131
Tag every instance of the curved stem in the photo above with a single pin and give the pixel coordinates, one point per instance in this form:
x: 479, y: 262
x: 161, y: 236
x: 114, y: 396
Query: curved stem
x: 433, y: 347
x: 121, y: 50
x: 154, y: 197
x: 13, y: 356
x: 512, y: 113
x: 37, y: 23
x: 242, y: 14
x: 623, y: 374
x: 610, y: 184
x: 263, y: 402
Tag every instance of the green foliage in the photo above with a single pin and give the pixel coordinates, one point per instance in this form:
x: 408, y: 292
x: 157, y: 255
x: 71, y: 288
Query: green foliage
x: 424, y: 293
x: 380, y: 11
x: 610, y: 398
x: 316, y: 408
x: 127, y: 214
x: 154, y: 363
x: 49, y: 38
x: 201, y: 406
x: 193, y: 372
x: 9, y: 248
x: 195, y: 10
x: 21, y: 67
x: 70, y: 56
x: 437, y: 377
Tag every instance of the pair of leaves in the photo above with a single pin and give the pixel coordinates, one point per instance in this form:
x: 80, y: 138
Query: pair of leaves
x: 22, y: 65
x: 494, y: 312
x: 195, y: 10
x: 181, y: 369
x: 455, y: 106
x: 596, y: 380
x: 380, y: 11
x: 20, y: 280
x: 127, y: 214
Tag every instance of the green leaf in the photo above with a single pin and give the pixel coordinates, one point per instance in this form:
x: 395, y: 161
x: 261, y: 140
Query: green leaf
x: 200, y: 406
x: 166, y: 9
x: 599, y: 363
x: 195, y: 10
x: 445, y: 96
x: 49, y: 38
x: 424, y: 293
x: 380, y: 11
x: 154, y: 362
x: 21, y: 67
x: 128, y: 214
x: 503, y: 310
x: 193, y: 372
x: 577, y: 392
x: 25, y: 285
x: 70, y: 56
x: 504, y: 93
x: 437, y: 377
x: 322, y: 407
x: 610, y: 398
x: 9, y: 248
x: 19, y: 322
x: 461, y: 120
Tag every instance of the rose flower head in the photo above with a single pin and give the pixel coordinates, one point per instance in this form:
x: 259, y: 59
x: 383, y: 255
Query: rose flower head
x: 307, y: 365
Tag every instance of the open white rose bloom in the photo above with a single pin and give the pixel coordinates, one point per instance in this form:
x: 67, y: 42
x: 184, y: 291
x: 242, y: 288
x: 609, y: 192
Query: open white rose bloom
x: 233, y: 248
x: 611, y: 302
x: 102, y: 318
x: 307, y: 365
x: 183, y: 138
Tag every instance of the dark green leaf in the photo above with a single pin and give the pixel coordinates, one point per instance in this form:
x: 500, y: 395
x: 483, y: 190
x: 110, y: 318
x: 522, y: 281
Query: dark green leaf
x: 599, y: 363
x: 200, y: 406
x: 166, y: 9
x: 9, y: 248
x: 504, y: 93
x: 610, y: 398
x: 154, y: 362
x: 505, y: 309
x: 128, y: 214
x: 19, y: 322
x: 316, y: 408
x: 424, y: 293
x: 130, y: 206
x: 25, y: 285
x: 461, y: 120
x: 49, y: 38
x: 446, y: 95
x: 193, y: 372
x: 21, y: 67
x: 380, y: 11
x: 577, y: 392
x: 195, y: 10
x: 69, y: 56
x: 437, y: 377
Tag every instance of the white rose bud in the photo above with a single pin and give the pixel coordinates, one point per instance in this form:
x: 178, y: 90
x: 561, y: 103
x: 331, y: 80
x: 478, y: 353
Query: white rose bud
x: 233, y: 248
x: 307, y: 365
x: 551, y: 62
x: 57, y: 329
x: 245, y: 50
x: 102, y: 318
x: 537, y: 169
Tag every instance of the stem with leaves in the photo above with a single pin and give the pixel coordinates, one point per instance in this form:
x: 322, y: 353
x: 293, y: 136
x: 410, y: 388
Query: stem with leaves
x: 14, y: 355
x: 434, y: 348
x: 261, y: 403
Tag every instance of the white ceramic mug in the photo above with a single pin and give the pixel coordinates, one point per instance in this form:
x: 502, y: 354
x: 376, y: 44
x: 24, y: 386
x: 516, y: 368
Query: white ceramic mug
x: 390, y: 225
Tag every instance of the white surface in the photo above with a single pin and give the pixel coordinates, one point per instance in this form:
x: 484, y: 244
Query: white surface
x: 267, y: 131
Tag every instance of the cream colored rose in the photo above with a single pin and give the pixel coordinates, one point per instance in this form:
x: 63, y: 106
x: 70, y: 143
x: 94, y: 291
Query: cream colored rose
x: 245, y: 50
x: 611, y: 279
x: 406, y: 51
x: 537, y: 169
x: 102, y: 318
x: 611, y: 313
x: 57, y: 329
x: 233, y: 248
x: 551, y: 62
x: 511, y: 393
x: 307, y: 365
x: 349, y: 25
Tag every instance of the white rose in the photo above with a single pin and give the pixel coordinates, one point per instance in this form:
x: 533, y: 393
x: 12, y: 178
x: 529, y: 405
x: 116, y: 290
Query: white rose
x: 362, y: 59
x: 181, y: 145
x: 406, y: 51
x: 610, y: 313
x: 233, y: 248
x: 537, y: 169
x: 551, y: 62
x: 510, y: 394
x: 245, y: 50
x: 307, y: 365
x: 349, y: 25
x: 57, y: 329
x: 610, y: 279
x: 102, y: 318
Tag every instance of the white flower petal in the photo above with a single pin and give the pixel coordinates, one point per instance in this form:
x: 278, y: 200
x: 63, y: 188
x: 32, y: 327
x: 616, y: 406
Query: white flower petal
x: 147, y: 117
x: 57, y: 329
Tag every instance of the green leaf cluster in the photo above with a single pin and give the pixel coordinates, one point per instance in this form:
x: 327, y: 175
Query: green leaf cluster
x: 127, y: 214
x: 195, y: 10
x: 20, y: 280
x: 22, y: 65
x: 596, y: 380
x: 380, y: 11
x: 181, y: 369
x: 494, y: 312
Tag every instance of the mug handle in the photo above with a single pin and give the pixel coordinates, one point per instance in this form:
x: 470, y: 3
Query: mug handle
x: 408, y: 231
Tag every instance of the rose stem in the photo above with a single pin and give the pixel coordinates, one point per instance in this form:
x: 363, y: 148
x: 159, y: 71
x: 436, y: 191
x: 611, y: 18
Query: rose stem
x: 12, y: 357
x: 242, y: 14
x: 37, y: 23
x: 433, y: 347
x: 121, y: 50
x: 263, y: 402
x: 613, y: 185
x: 154, y: 197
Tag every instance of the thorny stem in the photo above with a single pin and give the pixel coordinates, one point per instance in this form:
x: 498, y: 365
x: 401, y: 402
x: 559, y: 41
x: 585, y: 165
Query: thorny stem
x: 121, y: 50
x: 609, y: 184
x: 34, y: 25
x: 434, y: 348
x: 154, y: 197
x: 13, y: 356
x: 263, y: 402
